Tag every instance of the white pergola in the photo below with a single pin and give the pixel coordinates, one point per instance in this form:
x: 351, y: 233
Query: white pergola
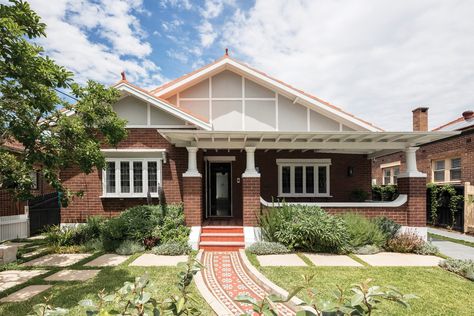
x: 373, y: 144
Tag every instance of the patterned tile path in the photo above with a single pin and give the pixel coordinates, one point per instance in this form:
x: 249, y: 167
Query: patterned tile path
x: 226, y: 278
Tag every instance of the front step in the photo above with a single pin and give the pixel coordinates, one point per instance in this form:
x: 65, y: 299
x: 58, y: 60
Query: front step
x: 222, y: 238
x: 221, y: 245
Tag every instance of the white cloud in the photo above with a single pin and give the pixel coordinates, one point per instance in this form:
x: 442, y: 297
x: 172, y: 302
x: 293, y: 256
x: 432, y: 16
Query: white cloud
x: 377, y: 59
x: 207, y: 34
x: 181, y: 4
x: 97, y: 40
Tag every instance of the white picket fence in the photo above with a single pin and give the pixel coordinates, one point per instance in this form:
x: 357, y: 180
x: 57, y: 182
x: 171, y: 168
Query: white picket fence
x: 15, y: 226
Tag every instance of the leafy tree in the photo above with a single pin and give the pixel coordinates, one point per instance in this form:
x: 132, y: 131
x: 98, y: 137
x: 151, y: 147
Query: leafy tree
x: 33, y: 115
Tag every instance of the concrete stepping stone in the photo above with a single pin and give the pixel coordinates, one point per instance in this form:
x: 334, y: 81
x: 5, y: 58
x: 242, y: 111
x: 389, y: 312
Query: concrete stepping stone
x: 73, y: 275
x: 11, y: 278
x: 393, y: 259
x: 57, y: 260
x: 330, y: 260
x: 33, y: 253
x: 288, y: 260
x: 151, y: 260
x: 37, y: 237
x: 25, y: 293
x: 17, y: 244
x: 107, y: 260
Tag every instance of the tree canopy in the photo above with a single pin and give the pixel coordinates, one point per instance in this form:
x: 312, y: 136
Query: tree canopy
x: 35, y: 117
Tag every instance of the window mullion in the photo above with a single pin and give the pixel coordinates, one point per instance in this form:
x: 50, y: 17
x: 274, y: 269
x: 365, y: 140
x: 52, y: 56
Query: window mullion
x: 292, y: 179
x: 304, y: 179
x: 145, y: 177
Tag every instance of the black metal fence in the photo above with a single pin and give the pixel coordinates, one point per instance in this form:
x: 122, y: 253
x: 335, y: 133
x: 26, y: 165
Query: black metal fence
x: 444, y: 215
x: 44, y: 211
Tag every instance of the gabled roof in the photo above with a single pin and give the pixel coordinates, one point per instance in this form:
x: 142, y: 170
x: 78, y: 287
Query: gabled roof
x: 461, y: 123
x: 124, y: 85
x: 228, y: 62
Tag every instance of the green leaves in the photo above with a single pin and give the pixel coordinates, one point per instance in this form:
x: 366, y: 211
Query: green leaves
x: 49, y: 139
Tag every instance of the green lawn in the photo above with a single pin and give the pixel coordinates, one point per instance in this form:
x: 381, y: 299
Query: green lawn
x: 67, y: 294
x: 440, y: 292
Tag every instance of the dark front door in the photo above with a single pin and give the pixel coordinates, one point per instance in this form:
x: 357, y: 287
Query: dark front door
x: 219, y: 189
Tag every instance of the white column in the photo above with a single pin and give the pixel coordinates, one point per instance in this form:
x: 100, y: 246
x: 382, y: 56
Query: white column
x: 192, y: 163
x: 411, y: 167
x: 250, y: 169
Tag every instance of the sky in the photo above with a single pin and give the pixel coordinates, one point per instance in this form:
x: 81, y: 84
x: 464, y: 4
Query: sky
x: 377, y: 59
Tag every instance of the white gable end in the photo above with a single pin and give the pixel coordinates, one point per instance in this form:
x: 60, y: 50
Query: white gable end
x: 232, y: 102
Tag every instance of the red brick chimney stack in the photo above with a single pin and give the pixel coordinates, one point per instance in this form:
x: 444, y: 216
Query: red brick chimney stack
x: 420, y: 119
x: 468, y: 115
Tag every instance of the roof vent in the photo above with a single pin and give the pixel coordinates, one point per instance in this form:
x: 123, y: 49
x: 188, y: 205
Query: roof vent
x: 227, y: 52
x: 468, y: 115
x: 124, y: 78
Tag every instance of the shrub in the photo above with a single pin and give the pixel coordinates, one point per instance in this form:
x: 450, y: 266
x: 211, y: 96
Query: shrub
x: 173, y: 227
x: 363, y: 231
x: 407, y: 242
x: 304, y: 228
x: 427, y: 249
x: 267, y: 248
x: 384, y: 192
x: 172, y: 248
x: 367, y: 250
x: 464, y: 268
x: 113, y: 233
x: 141, y: 220
x: 388, y: 227
x: 129, y: 247
x: 136, y: 223
x: 359, y: 195
x: 90, y: 230
x: 58, y: 237
x: 93, y: 245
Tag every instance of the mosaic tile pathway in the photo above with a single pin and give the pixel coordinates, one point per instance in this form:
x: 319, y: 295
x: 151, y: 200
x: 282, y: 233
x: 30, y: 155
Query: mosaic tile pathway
x: 226, y: 278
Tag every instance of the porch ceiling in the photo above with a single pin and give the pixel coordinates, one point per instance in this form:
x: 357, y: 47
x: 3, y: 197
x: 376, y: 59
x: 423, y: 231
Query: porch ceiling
x: 372, y: 143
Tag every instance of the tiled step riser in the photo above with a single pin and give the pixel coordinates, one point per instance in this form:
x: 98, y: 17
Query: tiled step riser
x: 221, y: 248
x: 222, y: 230
x: 223, y: 238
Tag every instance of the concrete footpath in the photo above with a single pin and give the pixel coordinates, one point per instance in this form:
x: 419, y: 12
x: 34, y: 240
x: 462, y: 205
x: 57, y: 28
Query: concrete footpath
x: 452, y: 249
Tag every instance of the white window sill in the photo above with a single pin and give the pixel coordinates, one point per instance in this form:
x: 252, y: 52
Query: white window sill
x: 108, y: 196
x: 448, y: 182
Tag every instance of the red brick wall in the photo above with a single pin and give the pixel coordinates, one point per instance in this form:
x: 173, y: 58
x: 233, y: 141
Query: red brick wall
x: 341, y: 185
x: 416, y: 205
x: 251, y: 200
x: 458, y: 146
x: 91, y: 184
x: 193, y: 205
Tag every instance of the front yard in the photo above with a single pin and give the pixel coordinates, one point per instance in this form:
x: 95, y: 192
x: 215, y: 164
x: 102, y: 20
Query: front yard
x: 440, y: 292
x: 68, y: 294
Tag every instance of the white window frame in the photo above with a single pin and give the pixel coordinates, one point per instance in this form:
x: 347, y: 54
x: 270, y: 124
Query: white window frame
x: 392, y: 175
x: 447, y: 170
x: 131, y: 194
x: 292, y: 163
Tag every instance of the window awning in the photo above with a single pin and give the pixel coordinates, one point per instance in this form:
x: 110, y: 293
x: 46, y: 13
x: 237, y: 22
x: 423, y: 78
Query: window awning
x: 361, y: 142
x: 134, y: 153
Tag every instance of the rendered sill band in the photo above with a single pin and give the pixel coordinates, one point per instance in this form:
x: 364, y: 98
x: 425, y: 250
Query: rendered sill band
x: 127, y: 196
x: 402, y: 199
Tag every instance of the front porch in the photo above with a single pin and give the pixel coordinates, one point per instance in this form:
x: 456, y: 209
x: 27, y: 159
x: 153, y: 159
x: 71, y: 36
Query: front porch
x: 231, y: 176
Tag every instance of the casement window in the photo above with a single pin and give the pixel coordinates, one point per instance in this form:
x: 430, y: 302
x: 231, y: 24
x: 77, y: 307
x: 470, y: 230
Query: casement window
x: 303, y: 177
x: 446, y: 170
x: 390, y: 175
x: 131, y: 177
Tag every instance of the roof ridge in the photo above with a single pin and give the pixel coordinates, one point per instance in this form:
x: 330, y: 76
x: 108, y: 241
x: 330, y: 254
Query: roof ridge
x: 337, y: 108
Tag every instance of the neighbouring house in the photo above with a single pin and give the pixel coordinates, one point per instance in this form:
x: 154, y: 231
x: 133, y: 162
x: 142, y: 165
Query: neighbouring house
x: 227, y: 140
x: 445, y: 161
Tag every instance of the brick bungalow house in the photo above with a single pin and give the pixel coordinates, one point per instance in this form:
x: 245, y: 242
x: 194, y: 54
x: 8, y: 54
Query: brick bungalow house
x: 444, y: 161
x: 226, y: 139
